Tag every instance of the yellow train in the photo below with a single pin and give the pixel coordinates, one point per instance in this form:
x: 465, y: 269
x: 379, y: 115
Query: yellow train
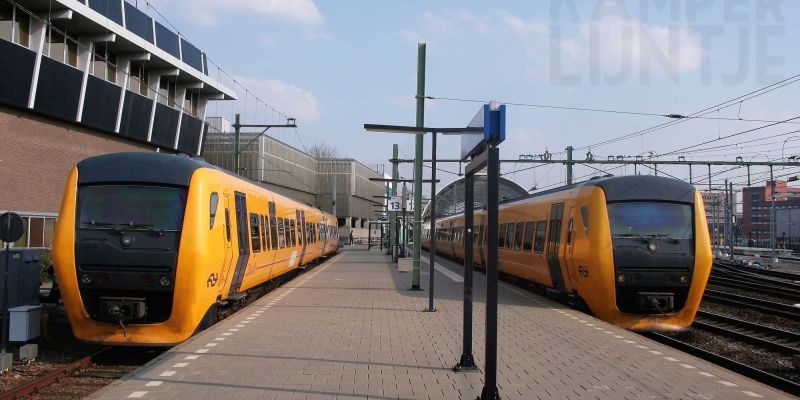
x: 151, y: 248
x: 634, y: 249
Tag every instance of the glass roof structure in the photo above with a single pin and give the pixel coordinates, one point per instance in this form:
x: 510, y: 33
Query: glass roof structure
x: 450, y: 199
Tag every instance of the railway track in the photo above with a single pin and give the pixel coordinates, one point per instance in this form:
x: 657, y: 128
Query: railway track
x: 784, y: 342
x: 84, y: 375
x: 735, y: 300
x: 744, y: 369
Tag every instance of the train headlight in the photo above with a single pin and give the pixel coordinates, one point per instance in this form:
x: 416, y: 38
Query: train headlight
x: 165, y: 281
x: 621, y: 278
x: 86, y: 279
x: 684, y: 278
x: 651, y: 246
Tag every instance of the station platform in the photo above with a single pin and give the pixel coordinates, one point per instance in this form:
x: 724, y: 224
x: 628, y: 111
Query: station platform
x: 350, y: 329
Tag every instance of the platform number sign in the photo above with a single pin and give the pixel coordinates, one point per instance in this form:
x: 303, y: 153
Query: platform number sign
x: 395, y: 204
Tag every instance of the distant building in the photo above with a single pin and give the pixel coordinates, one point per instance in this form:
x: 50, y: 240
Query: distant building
x: 716, y: 205
x: 756, y: 206
x: 83, y: 78
x: 294, y: 173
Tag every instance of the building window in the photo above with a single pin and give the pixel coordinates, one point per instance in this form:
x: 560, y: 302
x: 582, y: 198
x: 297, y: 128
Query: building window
x: 61, y: 47
x: 14, y: 25
x: 166, y: 92
x: 104, y: 63
x: 190, y: 105
x: 138, y: 79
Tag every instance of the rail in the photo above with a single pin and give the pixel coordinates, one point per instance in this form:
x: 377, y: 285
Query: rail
x: 771, y: 307
x: 50, y: 378
x: 764, y: 336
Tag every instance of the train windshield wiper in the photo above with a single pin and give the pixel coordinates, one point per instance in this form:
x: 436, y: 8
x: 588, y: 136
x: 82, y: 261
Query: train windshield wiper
x: 146, y: 227
x: 635, y: 235
x: 98, y: 224
x: 664, y: 236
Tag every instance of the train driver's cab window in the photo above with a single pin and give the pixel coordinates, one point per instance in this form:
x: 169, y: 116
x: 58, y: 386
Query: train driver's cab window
x: 527, y: 245
x: 255, y: 233
x: 538, y: 241
x: 509, y: 236
x: 518, y: 236
x: 585, y: 218
x: 502, y: 236
x: 281, y: 237
x: 213, y: 204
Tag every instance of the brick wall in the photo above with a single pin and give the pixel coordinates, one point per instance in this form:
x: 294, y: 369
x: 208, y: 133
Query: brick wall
x: 37, y: 153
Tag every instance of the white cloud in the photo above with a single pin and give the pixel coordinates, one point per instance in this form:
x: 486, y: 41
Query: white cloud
x: 289, y: 99
x: 623, y: 46
x: 207, y: 12
x: 522, y: 27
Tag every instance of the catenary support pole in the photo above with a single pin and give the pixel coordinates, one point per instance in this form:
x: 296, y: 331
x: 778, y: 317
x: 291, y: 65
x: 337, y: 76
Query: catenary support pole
x: 467, y: 361
x: 731, y: 212
x: 432, y: 254
x: 772, y: 216
x: 490, y: 391
x: 569, y: 165
x: 236, y: 131
x: 418, y: 146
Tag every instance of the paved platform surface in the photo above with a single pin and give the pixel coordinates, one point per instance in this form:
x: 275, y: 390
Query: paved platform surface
x: 350, y: 329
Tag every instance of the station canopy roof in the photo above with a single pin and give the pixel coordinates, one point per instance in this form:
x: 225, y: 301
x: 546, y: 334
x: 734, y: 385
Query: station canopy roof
x: 450, y: 199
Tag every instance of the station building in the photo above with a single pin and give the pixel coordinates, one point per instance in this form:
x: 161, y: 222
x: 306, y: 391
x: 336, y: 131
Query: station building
x: 80, y: 78
x: 294, y: 173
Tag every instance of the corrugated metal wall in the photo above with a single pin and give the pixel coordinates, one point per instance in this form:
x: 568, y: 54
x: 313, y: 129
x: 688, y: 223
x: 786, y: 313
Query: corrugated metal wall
x: 295, y: 174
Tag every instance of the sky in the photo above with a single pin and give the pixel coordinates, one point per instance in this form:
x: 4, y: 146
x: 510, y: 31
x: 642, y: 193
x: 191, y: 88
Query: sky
x: 335, y: 65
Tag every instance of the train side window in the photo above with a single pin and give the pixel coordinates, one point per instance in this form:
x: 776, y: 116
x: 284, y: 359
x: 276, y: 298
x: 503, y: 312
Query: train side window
x: 287, y: 235
x: 294, y: 233
x: 281, y: 237
x: 510, y: 236
x: 255, y: 233
x: 569, y: 232
x: 528, y: 244
x: 585, y: 218
x: 538, y: 243
x: 518, y: 236
x: 265, y: 232
x: 213, y: 204
x: 227, y: 225
x: 273, y: 226
x: 502, y: 236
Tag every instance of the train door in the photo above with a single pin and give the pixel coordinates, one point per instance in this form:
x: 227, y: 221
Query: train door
x: 242, y: 233
x: 553, y: 246
x: 226, y: 239
x: 301, y: 234
x: 568, y: 256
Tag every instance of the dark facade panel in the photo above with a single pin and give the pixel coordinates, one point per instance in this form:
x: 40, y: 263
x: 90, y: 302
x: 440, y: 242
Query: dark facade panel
x: 167, y: 40
x: 165, y: 125
x: 17, y: 72
x: 100, y: 104
x: 111, y: 9
x: 138, y: 22
x: 192, y: 55
x: 58, y: 90
x: 190, y: 134
x: 135, y: 116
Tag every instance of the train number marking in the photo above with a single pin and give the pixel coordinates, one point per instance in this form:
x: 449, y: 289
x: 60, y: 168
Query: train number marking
x: 212, y: 280
x: 583, y: 271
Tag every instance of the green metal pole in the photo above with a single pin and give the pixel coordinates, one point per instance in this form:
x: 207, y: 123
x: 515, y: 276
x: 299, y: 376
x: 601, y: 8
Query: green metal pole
x: 418, y: 166
x: 236, y: 127
x: 393, y: 215
x: 569, y: 165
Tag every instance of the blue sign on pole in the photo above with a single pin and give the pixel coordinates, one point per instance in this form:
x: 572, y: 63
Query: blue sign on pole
x: 487, y: 127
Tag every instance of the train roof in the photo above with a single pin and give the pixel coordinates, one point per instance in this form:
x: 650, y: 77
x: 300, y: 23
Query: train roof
x: 152, y: 167
x: 631, y: 188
